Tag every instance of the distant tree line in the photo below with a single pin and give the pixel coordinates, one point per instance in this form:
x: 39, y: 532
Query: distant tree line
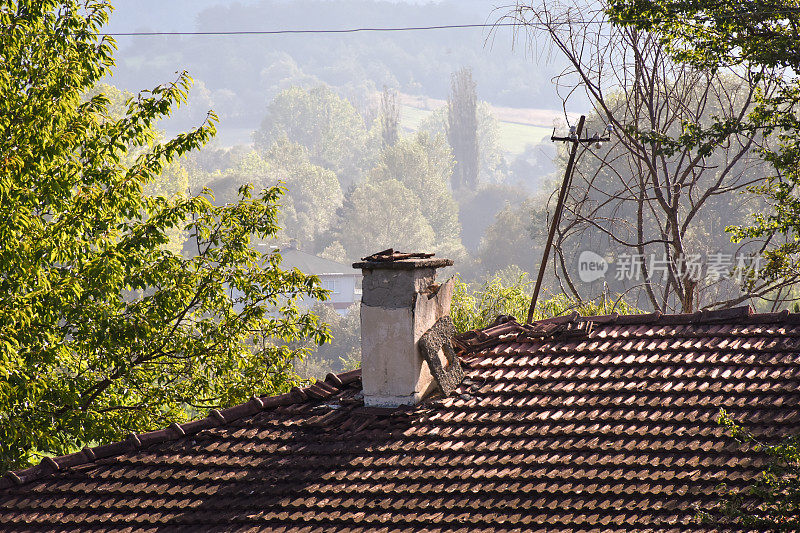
x: 237, y: 77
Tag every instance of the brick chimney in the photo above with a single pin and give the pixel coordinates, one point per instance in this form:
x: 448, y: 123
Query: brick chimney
x: 399, y: 304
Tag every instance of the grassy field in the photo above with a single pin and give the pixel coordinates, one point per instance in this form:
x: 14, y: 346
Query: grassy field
x: 514, y: 137
x: 412, y: 117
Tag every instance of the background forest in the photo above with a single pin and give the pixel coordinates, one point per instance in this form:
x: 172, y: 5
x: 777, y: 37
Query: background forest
x: 439, y: 141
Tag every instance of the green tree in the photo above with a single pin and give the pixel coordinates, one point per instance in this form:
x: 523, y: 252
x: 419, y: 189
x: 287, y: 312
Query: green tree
x: 508, y: 292
x: 105, y: 329
x: 710, y: 34
x: 381, y: 215
x: 318, y: 119
x: 342, y: 353
x: 462, y: 129
x: 313, y: 193
x: 527, y: 222
x: 478, y: 210
x: 423, y: 164
x: 647, y: 193
x: 174, y: 177
x: 492, y: 165
x: 761, y: 37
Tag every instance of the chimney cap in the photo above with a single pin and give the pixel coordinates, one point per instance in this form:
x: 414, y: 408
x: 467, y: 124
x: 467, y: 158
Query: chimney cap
x: 390, y: 260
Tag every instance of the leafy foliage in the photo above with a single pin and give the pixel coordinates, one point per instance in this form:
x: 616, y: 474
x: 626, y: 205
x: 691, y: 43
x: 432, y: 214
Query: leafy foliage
x: 343, y: 353
x: 508, y: 292
x: 389, y: 116
x: 106, y: 330
x: 476, y: 307
x: 492, y: 165
x: 773, y: 502
x: 708, y: 33
x: 313, y: 193
x: 385, y: 214
x: 526, y: 222
x: 328, y: 126
x: 424, y: 164
x: 398, y: 191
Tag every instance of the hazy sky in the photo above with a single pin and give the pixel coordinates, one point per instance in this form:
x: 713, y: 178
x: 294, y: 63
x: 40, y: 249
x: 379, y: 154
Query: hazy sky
x: 178, y: 15
x: 160, y: 15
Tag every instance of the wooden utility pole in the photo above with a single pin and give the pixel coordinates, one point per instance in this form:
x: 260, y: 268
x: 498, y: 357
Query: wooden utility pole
x: 575, y: 139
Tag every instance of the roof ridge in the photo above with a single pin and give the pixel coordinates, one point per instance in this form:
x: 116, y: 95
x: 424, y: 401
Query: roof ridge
x: 331, y: 385
x: 479, y: 339
x: 705, y: 316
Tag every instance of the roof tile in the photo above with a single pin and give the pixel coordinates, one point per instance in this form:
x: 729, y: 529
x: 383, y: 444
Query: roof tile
x: 603, y: 432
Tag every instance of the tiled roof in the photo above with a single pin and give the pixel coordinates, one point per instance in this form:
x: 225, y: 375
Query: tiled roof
x: 598, y: 424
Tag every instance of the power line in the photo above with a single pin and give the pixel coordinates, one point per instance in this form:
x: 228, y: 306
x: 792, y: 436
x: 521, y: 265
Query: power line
x: 517, y: 23
x: 282, y: 32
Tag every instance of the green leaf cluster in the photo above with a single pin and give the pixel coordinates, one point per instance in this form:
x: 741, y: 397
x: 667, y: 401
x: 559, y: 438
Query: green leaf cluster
x: 772, y: 503
x: 710, y: 33
x: 508, y: 292
x: 327, y: 125
x: 106, y: 329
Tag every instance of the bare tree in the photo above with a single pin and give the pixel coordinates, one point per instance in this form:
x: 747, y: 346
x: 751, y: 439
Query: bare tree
x: 646, y: 200
x: 462, y: 129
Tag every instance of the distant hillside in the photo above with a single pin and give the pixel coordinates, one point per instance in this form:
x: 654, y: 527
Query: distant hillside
x: 238, y: 75
x: 160, y: 15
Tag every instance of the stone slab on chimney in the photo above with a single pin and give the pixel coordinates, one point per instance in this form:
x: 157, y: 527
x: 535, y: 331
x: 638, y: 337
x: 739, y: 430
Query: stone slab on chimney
x: 400, y: 302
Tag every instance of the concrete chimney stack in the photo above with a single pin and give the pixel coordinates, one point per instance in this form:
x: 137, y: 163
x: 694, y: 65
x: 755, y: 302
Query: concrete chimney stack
x: 400, y: 302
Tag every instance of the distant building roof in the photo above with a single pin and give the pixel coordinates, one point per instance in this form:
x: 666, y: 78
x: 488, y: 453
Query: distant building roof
x: 312, y: 264
x: 567, y: 425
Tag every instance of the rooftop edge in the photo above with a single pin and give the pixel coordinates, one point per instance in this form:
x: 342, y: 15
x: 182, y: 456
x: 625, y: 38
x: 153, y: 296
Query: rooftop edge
x: 333, y: 384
